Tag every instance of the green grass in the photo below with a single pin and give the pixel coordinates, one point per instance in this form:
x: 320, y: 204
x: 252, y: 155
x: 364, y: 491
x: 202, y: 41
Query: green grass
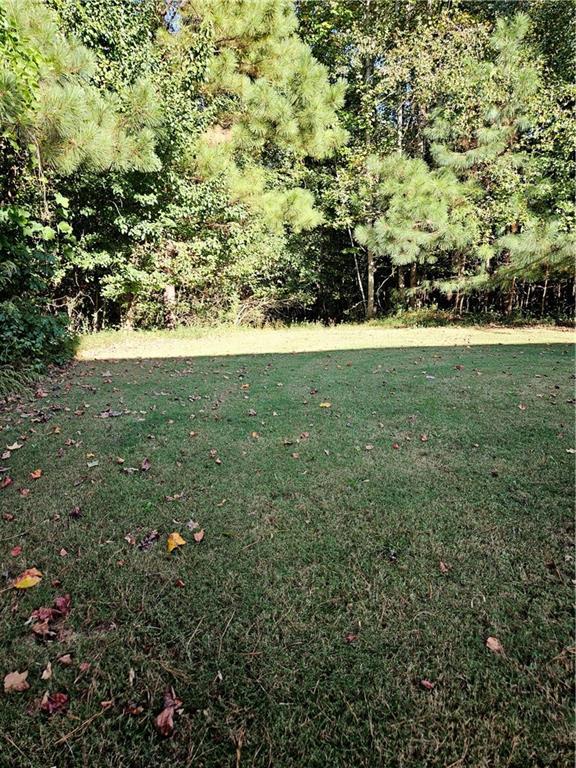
x: 298, y: 554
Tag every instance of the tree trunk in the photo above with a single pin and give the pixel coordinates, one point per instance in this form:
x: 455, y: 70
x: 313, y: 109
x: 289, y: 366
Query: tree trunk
x: 511, y: 295
x: 401, y: 285
x: 413, y: 284
x: 370, y: 309
x: 170, y: 304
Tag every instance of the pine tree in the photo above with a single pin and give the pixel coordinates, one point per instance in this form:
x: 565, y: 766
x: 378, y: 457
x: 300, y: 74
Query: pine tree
x: 272, y: 106
x: 417, y: 215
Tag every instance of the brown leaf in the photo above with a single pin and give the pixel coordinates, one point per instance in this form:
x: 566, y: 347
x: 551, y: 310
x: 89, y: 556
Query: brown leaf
x: 42, y: 629
x: 423, y: 438
x: 47, y: 673
x: 35, y: 474
x: 494, y: 645
x: 15, y: 682
x: 133, y: 709
x: 350, y: 638
x: 198, y: 536
x: 65, y: 660
x: 52, y: 703
x: 164, y: 722
x: 444, y: 568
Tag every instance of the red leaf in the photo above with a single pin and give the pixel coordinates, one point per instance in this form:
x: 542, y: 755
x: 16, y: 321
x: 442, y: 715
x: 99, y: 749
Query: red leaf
x: 53, y: 703
x: 198, y: 536
x: 6, y: 481
x: 15, y: 551
x: 427, y: 684
x: 63, y: 604
x: 396, y: 446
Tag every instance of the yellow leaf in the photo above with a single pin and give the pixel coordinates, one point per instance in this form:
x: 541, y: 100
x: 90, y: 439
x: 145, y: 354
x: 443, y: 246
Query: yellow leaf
x: 174, y: 540
x: 325, y: 405
x: 28, y: 578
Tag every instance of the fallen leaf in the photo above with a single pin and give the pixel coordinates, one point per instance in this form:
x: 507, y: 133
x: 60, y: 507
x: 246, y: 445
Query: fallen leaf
x: 15, y: 682
x: 443, y: 567
x: 53, y: 703
x: 494, y: 645
x: 326, y: 405
x: 6, y: 481
x: 369, y: 447
x: 179, y: 583
x: 63, y: 605
x: 65, y: 660
x: 146, y: 464
x: 28, y: 578
x: 350, y: 638
x: 522, y: 406
x: 24, y: 492
x: 47, y: 673
x: 423, y: 438
x: 174, y: 540
x: 198, y: 536
x: 132, y: 709
x: 295, y: 455
x: 42, y: 629
x: 15, y: 551
x: 75, y: 513
x: 8, y: 516
x: 396, y: 446
x: 427, y: 684
x: 84, y: 666
x: 164, y: 722
x: 35, y: 474
x: 63, y: 552
x: 119, y: 460
x: 148, y: 540
x: 14, y: 446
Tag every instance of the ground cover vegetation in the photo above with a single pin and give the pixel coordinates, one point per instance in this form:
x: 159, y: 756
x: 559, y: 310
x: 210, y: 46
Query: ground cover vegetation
x: 177, y: 163
x: 233, y: 559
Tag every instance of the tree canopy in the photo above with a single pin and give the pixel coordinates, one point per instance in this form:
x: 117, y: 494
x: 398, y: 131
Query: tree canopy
x: 253, y: 159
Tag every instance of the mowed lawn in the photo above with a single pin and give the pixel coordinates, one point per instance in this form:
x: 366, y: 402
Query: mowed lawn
x: 371, y: 517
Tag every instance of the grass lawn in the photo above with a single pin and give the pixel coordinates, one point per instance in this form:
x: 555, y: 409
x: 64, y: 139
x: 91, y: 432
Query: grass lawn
x: 350, y: 552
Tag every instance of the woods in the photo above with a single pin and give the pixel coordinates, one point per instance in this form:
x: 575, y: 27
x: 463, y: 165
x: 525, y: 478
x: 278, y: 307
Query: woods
x: 256, y: 160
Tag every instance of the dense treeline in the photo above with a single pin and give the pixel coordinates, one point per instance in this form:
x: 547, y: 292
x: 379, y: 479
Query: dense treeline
x: 181, y: 162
